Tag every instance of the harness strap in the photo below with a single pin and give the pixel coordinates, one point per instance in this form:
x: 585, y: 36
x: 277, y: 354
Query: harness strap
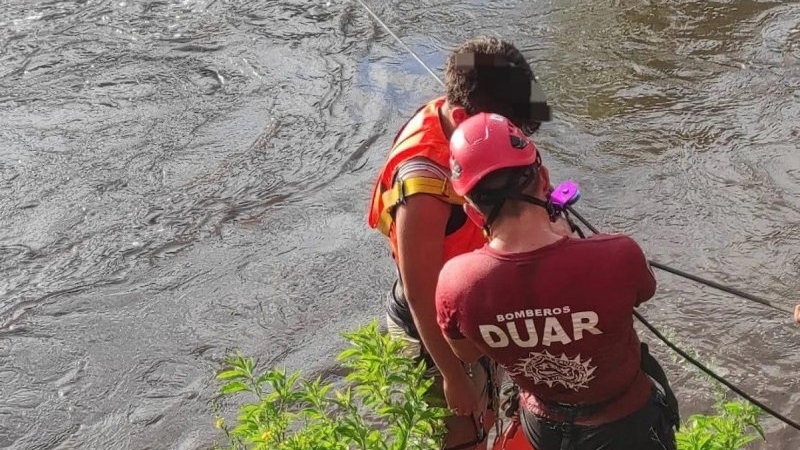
x: 567, y: 429
x: 653, y: 369
x: 396, y: 196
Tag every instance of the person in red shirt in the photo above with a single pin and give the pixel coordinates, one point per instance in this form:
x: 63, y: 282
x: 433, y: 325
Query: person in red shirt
x: 556, y: 312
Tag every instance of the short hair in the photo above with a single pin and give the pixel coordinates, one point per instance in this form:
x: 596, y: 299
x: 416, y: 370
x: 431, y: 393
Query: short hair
x: 487, y: 74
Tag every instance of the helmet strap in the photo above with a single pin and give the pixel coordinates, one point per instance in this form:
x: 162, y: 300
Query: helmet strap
x: 512, y: 189
x: 493, y: 213
x: 552, y: 210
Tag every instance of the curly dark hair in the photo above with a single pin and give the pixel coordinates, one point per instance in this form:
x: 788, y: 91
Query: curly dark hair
x: 487, y: 74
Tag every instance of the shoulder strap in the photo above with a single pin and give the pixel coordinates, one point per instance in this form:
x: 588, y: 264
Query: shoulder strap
x: 396, y: 196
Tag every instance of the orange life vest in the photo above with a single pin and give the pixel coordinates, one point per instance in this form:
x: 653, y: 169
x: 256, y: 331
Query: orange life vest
x: 421, y: 136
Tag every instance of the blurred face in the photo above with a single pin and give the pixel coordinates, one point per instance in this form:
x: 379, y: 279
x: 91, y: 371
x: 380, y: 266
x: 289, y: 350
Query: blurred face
x: 528, y: 129
x: 459, y: 114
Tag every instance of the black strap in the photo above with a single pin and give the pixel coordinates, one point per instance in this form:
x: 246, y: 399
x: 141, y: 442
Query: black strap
x: 567, y: 429
x: 651, y: 367
x: 517, y: 181
x: 498, y: 205
x: 553, y: 210
x: 575, y: 228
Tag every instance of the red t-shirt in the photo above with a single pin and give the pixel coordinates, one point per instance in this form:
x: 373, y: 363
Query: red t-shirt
x: 559, y: 319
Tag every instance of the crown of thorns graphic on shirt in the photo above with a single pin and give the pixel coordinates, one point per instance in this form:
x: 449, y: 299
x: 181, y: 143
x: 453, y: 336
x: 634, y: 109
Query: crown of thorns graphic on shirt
x: 544, y: 368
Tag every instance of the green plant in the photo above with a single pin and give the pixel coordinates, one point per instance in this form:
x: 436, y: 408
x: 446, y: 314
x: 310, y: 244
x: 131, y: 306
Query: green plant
x: 385, y: 404
x: 732, y: 428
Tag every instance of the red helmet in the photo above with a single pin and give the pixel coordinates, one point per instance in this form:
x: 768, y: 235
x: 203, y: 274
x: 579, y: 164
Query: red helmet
x: 483, y: 144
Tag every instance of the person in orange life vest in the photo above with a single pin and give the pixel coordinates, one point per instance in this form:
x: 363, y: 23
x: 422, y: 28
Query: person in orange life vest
x: 414, y: 206
x: 554, y: 311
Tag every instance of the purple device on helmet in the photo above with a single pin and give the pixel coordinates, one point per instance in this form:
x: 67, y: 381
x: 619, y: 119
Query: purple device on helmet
x: 566, y: 194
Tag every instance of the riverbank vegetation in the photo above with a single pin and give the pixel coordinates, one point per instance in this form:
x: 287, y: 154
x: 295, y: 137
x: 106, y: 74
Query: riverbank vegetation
x: 384, y: 404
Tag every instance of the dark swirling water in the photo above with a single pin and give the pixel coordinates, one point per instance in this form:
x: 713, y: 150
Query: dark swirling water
x: 179, y: 179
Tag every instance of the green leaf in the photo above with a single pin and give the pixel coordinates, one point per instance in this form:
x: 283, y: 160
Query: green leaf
x: 382, y: 384
x: 266, y: 377
x: 348, y: 354
x: 230, y: 373
x: 235, y: 386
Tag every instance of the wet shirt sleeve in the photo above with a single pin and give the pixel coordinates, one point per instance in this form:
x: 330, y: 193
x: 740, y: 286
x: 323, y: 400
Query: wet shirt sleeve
x: 447, y: 303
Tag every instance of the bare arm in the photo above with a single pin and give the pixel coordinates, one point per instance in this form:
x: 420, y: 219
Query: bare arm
x: 450, y: 296
x: 421, y: 224
x: 465, y: 349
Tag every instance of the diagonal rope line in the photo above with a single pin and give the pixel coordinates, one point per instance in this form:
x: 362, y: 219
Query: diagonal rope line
x: 696, y: 278
x: 653, y: 263
x: 400, y: 41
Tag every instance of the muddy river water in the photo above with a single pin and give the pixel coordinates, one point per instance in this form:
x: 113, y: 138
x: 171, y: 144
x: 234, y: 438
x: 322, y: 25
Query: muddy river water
x: 182, y: 178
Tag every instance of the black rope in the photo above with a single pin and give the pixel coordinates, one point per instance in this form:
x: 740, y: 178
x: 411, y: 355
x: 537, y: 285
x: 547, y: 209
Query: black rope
x: 688, y: 357
x: 696, y: 278
x: 713, y: 375
x: 653, y: 263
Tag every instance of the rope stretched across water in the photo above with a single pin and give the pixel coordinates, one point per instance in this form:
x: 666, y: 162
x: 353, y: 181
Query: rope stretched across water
x: 696, y: 278
x: 655, y: 264
x: 688, y: 357
x: 680, y: 273
x: 658, y: 265
x: 685, y: 355
x: 713, y: 375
